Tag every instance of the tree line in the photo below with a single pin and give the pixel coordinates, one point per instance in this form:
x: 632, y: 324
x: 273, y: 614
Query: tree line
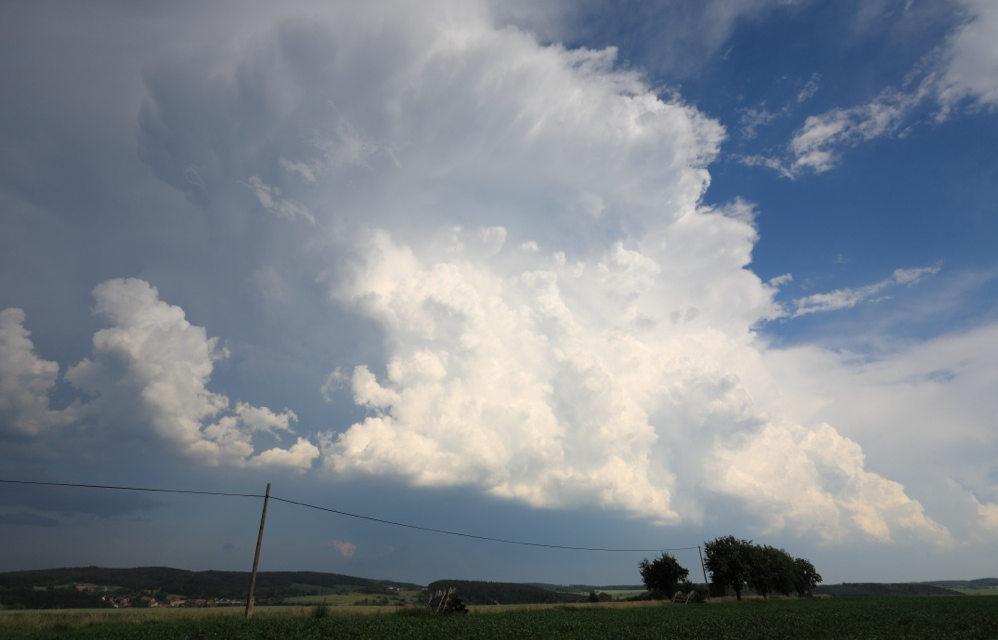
x: 734, y: 565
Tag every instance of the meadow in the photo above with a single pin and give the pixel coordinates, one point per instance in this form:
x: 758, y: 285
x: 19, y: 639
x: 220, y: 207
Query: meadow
x: 936, y: 618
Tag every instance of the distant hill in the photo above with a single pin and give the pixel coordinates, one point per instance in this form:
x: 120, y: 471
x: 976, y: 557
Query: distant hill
x: 864, y: 589
x: 190, y: 584
x: 980, y: 583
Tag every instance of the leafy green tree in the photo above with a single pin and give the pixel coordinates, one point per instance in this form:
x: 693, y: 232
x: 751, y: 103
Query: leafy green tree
x: 806, y: 577
x: 729, y: 561
x: 662, y: 575
x: 602, y: 596
x: 772, y: 570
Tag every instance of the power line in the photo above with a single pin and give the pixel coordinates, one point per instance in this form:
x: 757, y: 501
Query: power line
x: 146, y: 489
x: 470, y: 535
x: 346, y: 514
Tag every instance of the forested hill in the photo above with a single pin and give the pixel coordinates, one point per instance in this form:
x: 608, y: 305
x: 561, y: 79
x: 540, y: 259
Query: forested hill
x: 980, y: 583
x: 478, y: 592
x: 863, y: 589
x: 192, y: 584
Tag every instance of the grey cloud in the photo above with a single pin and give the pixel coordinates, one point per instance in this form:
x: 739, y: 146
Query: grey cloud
x: 209, y: 120
x: 75, y: 501
x: 22, y: 519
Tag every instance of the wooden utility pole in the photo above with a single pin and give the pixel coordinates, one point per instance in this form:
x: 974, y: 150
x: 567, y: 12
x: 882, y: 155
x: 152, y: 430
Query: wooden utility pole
x: 256, y: 556
x: 702, y: 567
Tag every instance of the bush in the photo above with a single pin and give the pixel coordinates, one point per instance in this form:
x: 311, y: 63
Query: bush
x: 701, y: 590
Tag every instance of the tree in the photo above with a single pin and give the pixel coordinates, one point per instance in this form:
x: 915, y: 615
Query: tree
x: 602, y: 596
x: 729, y: 561
x: 806, y: 577
x: 662, y: 575
x: 772, y: 570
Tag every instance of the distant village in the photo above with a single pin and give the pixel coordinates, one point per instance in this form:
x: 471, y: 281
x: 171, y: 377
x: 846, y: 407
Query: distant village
x: 120, y: 601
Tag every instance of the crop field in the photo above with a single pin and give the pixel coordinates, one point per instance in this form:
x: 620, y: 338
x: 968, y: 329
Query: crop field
x: 935, y: 618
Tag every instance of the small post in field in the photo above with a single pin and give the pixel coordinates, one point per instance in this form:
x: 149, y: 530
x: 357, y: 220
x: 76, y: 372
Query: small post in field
x: 256, y: 556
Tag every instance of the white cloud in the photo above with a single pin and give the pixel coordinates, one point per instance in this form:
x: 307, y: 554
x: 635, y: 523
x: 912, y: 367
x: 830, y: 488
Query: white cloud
x: 970, y: 57
x: 151, y: 369
x: 560, y: 388
x: 848, y: 298
x: 25, y: 382
x: 923, y: 411
x: 816, y: 145
x: 345, y: 549
x: 816, y: 481
x: 739, y: 209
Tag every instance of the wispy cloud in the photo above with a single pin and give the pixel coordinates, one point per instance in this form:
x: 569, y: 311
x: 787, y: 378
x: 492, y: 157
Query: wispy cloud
x: 963, y: 69
x: 754, y: 118
x: 818, y: 145
x: 848, y: 298
x: 270, y: 199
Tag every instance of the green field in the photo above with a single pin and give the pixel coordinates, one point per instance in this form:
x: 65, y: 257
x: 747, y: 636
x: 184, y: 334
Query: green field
x: 935, y: 618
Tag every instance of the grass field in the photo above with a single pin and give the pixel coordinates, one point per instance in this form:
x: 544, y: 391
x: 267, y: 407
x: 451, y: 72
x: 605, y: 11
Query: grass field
x: 348, y: 599
x: 915, y: 618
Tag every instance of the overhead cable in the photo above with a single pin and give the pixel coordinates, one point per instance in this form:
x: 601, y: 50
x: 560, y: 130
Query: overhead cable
x: 346, y: 514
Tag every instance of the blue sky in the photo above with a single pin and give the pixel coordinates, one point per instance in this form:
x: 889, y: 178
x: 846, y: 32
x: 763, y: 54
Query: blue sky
x: 620, y: 275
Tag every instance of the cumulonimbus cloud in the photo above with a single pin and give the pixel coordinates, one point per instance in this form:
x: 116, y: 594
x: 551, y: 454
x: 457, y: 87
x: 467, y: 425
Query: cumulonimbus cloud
x: 564, y: 323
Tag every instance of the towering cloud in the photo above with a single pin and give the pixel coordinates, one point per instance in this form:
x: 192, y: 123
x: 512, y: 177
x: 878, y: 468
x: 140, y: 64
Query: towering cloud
x: 563, y: 322
x: 25, y: 382
x: 151, y: 369
x: 517, y: 231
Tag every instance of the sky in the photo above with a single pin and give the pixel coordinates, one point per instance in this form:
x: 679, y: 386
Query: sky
x: 618, y: 275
